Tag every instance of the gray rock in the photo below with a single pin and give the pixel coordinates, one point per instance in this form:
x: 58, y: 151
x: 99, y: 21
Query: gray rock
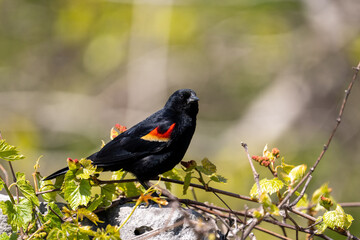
x: 150, y: 222
x: 161, y: 223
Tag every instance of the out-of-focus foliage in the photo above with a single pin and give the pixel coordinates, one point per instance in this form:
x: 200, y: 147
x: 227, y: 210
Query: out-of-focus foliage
x: 266, y: 71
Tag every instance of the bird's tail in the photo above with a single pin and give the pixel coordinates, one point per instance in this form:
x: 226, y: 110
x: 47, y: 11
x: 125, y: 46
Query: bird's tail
x: 57, y: 173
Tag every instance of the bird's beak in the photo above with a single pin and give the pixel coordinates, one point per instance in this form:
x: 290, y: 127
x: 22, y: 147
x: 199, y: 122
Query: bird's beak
x: 193, y: 98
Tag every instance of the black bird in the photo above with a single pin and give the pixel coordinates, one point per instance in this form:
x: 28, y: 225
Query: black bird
x: 154, y: 145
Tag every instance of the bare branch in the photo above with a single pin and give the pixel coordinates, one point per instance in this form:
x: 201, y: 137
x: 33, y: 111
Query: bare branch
x: 256, y: 175
x: 326, y: 146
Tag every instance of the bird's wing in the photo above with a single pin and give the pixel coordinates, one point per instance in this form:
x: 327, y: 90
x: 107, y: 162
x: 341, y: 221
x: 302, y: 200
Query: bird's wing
x: 143, y: 139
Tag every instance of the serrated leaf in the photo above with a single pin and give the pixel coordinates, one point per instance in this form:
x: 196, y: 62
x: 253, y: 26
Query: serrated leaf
x: 70, y: 231
x: 47, y: 186
x: 111, y: 232
x: 324, y: 190
x: 218, y: 178
x: 117, y: 175
x: 187, y: 180
x: 131, y: 190
x: 98, y: 200
x: 19, y: 215
x: 267, y: 186
x: 77, y: 194
x: 172, y: 174
x: 9, y: 152
x: 87, y: 169
x: 322, y: 226
x: 54, y: 220
x: 26, y: 189
x: 209, y: 166
x: 107, y: 192
x: 83, y: 212
x: 203, y: 170
x: 337, y: 218
x: 286, y: 167
x: 297, y: 173
x: 258, y: 214
x: 4, y: 236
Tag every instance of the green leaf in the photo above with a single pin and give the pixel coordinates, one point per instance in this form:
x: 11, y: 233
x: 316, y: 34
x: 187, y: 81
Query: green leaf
x: 117, y: 175
x: 98, y: 200
x: 172, y: 174
x: 322, y: 226
x: 208, y: 166
x: 203, y: 170
x: 130, y: 189
x: 70, y: 231
x: 111, y: 233
x: 9, y: 152
x: 2, y: 184
x: 76, y: 193
x: 83, y: 212
x: 286, y: 167
x: 19, y: 215
x: 87, y: 169
x: 324, y: 190
x: 297, y: 173
x: 107, y: 191
x: 55, y: 221
x: 47, y: 186
x: 267, y: 186
x: 338, y: 218
x: 265, y: 200
x: 4, y: 236
x: 218, y: 178
x: 26, y: 189
x: 187, y: 180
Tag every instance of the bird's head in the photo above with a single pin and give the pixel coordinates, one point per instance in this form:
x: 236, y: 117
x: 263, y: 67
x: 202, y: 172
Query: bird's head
x: 184, y: 100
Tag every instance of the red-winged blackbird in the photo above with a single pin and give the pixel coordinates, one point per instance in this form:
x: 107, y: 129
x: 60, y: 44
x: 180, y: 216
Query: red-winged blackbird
x: 154, y: 145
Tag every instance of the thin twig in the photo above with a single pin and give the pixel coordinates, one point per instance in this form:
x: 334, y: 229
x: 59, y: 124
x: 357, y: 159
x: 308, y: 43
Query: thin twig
x: 227, y: 206
x: 52, y: 210
x: 248, y: 230
x: 208, y: 189
x: 302, y: 192
x: 48, y: 191
x: 295, y: 224
x: 326, y: 146
x: 256, y: 175
x: 217, y: 213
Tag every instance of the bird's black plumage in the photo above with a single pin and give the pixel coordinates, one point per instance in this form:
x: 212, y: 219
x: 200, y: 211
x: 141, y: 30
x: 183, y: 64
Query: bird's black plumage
x: 154, y: 145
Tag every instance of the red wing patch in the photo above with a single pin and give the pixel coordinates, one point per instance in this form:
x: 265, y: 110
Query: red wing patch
x: 156, y: 136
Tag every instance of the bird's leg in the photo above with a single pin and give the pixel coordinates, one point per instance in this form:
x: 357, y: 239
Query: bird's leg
x: 145, y: 184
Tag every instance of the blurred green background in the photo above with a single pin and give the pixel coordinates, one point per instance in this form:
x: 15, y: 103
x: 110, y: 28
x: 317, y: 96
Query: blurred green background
x: 266, y: 72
